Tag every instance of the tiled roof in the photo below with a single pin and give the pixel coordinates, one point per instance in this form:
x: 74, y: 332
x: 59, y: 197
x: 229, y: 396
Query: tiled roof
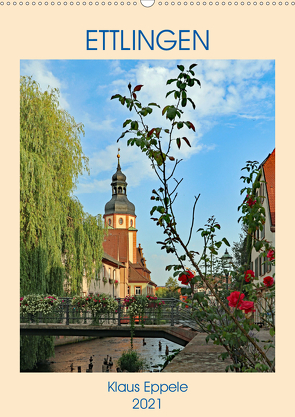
x: 269, y: 175
x: 135, y: 276
x: 108, y: 258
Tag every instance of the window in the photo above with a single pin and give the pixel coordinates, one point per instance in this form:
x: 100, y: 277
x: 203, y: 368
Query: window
x: 260, y: 266
x: 256, y: 267
x: 110, y: 222
x: 131, y: 222
x: 263, y: 232
x: 120, y: 220
x: 137, y: 290
x: 128, y: 290
x: 114, y: 274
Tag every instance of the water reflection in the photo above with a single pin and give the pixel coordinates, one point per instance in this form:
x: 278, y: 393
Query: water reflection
x: 78, y: 354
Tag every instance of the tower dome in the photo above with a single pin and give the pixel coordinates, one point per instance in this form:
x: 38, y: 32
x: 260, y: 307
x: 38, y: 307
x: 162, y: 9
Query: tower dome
x: 119, y: 202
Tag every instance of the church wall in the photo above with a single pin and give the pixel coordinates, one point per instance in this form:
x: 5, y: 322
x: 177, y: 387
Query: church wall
x: 131, y: 251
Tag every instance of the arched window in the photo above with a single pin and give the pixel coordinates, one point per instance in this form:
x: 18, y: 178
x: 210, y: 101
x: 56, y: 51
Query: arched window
x: 115, y: 190
x: 124, y: 190
x: 119, y: 190
x: 131, y: 222
x: 110, y: 222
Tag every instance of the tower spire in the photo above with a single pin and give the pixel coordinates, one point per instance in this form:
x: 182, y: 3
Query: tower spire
x: 118, y: 156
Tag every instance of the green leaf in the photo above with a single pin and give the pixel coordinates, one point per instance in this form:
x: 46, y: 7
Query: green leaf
x: 171, y: 81
x: 180, y: 67
x: 170, y: 92
x: 164, y: 110
x: 192, y: 66
x: 193, y: 104
x: 116, y: 96
x: 134, y: 125
x: 178, y: 142
x: 127, y: 122
x: 171, y: 112
x: 154, y: 104
x: 225, y: 241
x: 272, y: 331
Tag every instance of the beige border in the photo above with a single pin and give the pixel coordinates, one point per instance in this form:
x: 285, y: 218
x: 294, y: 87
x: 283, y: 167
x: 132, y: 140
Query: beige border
x: 59, y: 33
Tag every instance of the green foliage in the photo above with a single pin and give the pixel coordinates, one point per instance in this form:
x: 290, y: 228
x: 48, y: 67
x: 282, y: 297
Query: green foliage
x: 131, y: 361
x: 58, y: 241
x: 168, y: 358
x: 172, y: 284
x: 34, y: 349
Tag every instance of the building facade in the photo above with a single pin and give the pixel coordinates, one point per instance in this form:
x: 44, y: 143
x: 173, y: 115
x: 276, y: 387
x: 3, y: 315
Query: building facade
x: 267, y: 191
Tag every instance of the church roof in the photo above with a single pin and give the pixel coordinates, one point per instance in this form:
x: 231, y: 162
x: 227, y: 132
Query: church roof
x: 135, y: 276
x: 119, y: 202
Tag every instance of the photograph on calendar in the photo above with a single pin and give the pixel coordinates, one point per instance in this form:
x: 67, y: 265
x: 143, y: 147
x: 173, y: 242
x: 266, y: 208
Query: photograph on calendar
x: 147, y: 216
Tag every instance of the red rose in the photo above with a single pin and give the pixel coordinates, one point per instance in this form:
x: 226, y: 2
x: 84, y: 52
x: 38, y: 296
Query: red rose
x: 247, y: 306
x: 251, y: 202
x: 271, y: 254
x: 248, y: 275
x: 235, y: 299
x: 186, y: 277
x: 268, y: 281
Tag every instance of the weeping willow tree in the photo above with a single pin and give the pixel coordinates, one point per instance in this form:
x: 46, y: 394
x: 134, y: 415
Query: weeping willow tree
x: 59, y: 243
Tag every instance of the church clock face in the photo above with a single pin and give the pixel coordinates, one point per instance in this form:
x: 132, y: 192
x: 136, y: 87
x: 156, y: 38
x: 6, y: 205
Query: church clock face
x: 120, y: 220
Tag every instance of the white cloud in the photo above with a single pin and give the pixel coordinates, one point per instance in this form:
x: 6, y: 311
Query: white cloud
x: 45, y: 78
x: 101, y: 125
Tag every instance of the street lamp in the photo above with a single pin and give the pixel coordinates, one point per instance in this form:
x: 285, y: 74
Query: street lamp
x: 226, y: 262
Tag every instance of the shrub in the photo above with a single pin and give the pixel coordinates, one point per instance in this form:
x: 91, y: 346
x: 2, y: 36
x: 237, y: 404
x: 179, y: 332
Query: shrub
x: 131, y: 361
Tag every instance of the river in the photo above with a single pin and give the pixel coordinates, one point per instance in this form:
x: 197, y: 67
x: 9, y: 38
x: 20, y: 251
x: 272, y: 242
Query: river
x: 79, y: 353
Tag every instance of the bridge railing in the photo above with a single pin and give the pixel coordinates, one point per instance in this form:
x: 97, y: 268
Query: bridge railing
x: 172, y: 312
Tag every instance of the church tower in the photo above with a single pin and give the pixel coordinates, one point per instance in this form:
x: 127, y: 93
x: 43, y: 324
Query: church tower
x: 120, y: 212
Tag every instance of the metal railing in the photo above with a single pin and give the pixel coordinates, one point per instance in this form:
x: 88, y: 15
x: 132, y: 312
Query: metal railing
x: 172, y: 312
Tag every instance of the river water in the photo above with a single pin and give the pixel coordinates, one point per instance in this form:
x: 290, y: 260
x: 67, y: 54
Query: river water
x: 79, y: 353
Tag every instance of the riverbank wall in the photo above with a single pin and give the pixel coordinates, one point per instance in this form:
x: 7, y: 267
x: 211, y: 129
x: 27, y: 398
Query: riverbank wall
x: 67, y: 340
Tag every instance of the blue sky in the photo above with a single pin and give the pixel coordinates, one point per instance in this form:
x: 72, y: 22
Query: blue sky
x: 234, y: 120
